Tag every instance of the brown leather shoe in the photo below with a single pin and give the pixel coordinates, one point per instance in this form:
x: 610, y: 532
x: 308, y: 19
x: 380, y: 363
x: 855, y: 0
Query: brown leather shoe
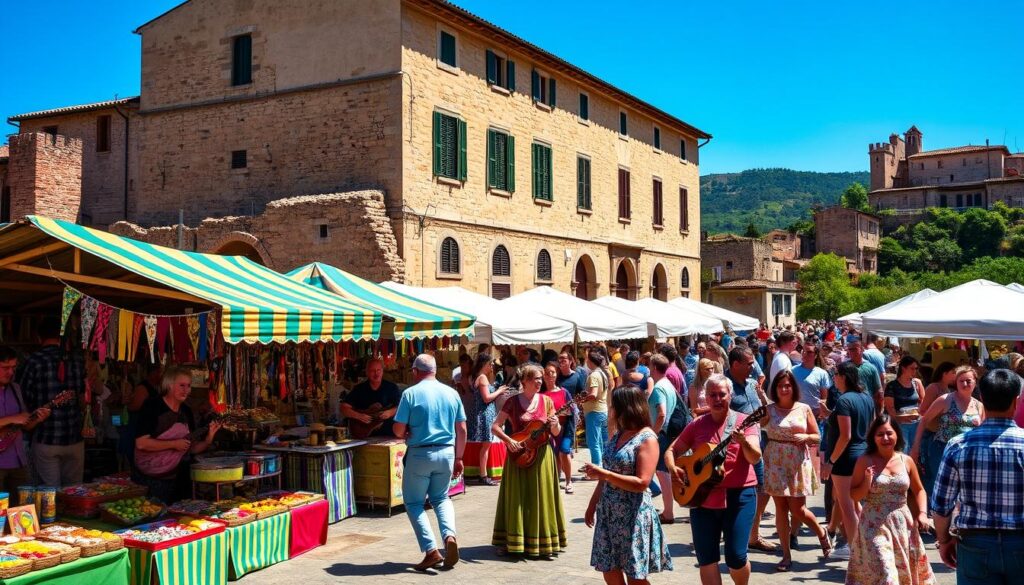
x: 430, y: 561
x: 451, y: 552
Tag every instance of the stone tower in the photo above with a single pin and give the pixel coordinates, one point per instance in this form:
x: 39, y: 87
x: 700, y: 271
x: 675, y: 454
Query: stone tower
x: 914, y: 141
x: 885, y: 160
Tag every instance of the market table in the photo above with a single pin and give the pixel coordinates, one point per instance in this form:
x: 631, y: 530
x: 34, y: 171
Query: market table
x: 200, y: 562
x: 309, y: 527
x: 258, y: 544
x: 323, y: 470
x: 110, y: 568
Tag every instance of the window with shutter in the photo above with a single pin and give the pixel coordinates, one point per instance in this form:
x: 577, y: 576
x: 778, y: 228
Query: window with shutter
x: 657, y: 138
x: 682, y: 148
x: 659, y: 216
x: 684, y: 209
x: 624, y: 194
x: 623, y: 124
x: 686, y: 278
x: 500, y: 161
x: 501, y: 290
x: 447, y: 49
x: 450, y: 256
x: 542, y: 172
x: 544, y: 266
x: 584, y: 112
x: 241, y: 60
x: 501, y: 263
x: 583, y: 183
x: 542, y: 87
x: 449, y: 146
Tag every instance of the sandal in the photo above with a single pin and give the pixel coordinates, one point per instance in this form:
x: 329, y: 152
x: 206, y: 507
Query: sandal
x: 763, y: 545
x: 569, y: 489
x: 826, y: 545
x: 489, y: 481
x: 784, y: 565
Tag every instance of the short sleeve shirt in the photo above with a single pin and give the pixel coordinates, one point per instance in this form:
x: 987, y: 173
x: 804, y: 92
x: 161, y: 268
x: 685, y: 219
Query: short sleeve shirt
x: 876, y: 358
x: 812, y: 382
x: 738, y: 471
x: 155, y: 418
x: 575, y: 382
x: 431, y: 410
x: 363, y: 397
x: 744, y: 396
x: 780, y: 362
x: 860, y: 407
x: 902, y: 397
x: 869, y: 378
x: 597, y: 379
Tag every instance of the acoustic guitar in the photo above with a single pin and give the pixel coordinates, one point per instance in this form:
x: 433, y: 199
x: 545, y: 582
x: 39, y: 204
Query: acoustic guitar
x: 361, y: 430
x: 160, y: 463
x: 705, y: 466
x: 536, y: 434
x: 11, y: 433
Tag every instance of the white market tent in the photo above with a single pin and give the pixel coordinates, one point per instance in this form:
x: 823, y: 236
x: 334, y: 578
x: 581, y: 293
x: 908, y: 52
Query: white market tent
x: 980, y: 309
x: 495, y: 324
x: 857, y: 319
x: 593, y: 322
x: 730, y: 319
x: 1016, y: 287
x: 663, y: 319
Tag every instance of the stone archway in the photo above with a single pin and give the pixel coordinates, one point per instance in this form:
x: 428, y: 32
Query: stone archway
x: 241, y: 244
x: 625, y: 280
x: 659, y: 283
x: 584, y: 283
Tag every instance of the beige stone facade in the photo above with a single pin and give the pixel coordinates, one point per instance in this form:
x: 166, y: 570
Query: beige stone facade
x: 750, y: 278
x: 849, y: 233
x: 343, y: 96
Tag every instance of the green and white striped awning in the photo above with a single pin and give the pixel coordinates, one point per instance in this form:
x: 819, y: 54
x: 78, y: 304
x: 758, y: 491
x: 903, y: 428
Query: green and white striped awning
x: 258, y: 304
x: 413, y: 318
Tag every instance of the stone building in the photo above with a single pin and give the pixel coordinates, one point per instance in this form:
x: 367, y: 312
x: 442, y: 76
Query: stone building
x: 748, y: 279
x: 497, y: 165
x: 852, y: 234
x: 906, y: 179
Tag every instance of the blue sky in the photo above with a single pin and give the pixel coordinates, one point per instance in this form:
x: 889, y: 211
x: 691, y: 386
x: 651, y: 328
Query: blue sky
x: 799, y: 84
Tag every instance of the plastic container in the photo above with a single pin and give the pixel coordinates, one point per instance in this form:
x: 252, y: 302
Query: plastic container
x: 47, y: 504
x: 26, y: 495
x: 155, y: 546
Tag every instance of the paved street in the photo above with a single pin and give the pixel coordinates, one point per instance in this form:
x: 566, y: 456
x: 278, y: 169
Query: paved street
x: 374, y: 548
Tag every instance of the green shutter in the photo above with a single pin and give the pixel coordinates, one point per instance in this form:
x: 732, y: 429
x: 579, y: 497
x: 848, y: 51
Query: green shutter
x: 551, y: 91
x: 550, y: 188
x: 535, y: 85
x: 438, y: 146
x: 510, y: 79
x: 510, y: 163
x: 579, y: 182
x: 491, y: 162
x: 462, y: 150
x: 535, y: 167
x: 589, y: 202
x: 492, y: 68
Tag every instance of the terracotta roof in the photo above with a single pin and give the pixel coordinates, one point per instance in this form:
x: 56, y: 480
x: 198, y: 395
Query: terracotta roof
x: 958, y: 150
x: 74, y: 109
x: 770, y: 284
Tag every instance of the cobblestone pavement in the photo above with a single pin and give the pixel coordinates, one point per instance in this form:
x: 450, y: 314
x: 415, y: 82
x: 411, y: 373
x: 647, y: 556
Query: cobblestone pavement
x: 375, y: 548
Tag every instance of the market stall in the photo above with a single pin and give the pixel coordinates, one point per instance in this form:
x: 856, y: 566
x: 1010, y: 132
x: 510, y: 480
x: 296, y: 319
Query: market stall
x: 663, y: 320
x: 857, y: 319
x: 111, y: 568
x: 731, y: 319
x: 326, y: 470
x: 593, y: 322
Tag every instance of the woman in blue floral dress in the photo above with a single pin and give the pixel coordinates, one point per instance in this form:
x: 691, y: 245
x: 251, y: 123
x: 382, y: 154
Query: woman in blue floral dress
x: 628, y: 541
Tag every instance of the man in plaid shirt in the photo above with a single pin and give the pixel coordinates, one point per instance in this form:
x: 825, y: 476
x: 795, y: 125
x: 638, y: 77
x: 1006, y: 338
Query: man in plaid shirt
x: 58, y: 452
x: 983, y: 471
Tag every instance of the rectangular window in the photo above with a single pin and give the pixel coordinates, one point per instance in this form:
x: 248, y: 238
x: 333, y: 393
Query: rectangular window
x: 684, y: 209
x: 964, y: 163
x: 542, y: 172
x: 5, y: 205
x: 659, y: 204
x: 624, y: 211
x: 241, y: 60
x: 501, y: 72
x: 623, y: 124
x: 776, y: 304
x: 939, y: 164
x: 959, y: 200
x: 501, y: 161
x: 943, y: 200
x: 449, y: 147
x: 584, y: 106
x: 323, y: 231
x: 657, y: 138
x: 239, y: 159
x: 682, y: 149
x: 446, y: 49
x: 103, y: 134
x: 788, y: 301
x: 583, y: 183
x: 543, y: 88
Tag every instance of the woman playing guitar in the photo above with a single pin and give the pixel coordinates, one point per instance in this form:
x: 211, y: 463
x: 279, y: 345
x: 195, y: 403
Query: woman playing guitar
x: 729, y: 507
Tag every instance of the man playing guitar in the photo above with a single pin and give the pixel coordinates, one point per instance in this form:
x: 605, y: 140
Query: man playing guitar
x: 372, y: 404
x: 13, y: 459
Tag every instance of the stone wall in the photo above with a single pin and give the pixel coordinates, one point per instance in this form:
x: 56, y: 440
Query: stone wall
x: 740, y: 258
x: 45, y: 176
x: 849, y: 233
x: 954, y: 168
x: 287, y: 234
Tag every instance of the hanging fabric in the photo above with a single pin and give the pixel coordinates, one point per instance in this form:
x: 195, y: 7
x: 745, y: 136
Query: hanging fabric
x: 99, y: 337
x: 112, y: 330
x: 88, y: 312
x: 180, y: 341
x: 150, y: 322
x: 163, y: 329
x: 125, y: 324
x: 192, y: 325
x: 71, y: 297
x: 204, y: 343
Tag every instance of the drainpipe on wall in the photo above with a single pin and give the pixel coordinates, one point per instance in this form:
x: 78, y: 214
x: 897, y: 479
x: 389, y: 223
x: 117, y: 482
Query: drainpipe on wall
x: 127, y: 136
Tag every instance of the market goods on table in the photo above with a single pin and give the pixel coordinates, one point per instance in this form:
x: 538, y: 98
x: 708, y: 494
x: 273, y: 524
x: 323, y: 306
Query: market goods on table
x: 167, y: 533
x: 12, y: 566
x: 231, y: 515
x: 83, y: 500
x: 43, y: 554
x: 91, y: 542
x: 264, y: 508
x: 218, y: 470
x: 131, y: 511
x: 296, y: 499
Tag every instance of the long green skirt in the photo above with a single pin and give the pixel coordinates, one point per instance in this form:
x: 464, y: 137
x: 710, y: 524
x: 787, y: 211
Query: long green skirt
x: 530, y: 519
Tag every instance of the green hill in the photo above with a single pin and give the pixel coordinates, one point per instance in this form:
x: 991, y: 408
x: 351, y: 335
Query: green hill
x: 770, y: 198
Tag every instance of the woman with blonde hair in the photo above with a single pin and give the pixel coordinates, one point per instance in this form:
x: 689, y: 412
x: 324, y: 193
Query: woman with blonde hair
x: 705, y: 369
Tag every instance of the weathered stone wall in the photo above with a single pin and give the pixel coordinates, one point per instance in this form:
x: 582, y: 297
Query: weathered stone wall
x: 849, y: 233
x: 785, y: 246
x: 756, y: 303
x: 740, y: 259
x: 287, y: 235
x: 45, y: 176
x: 955, y: 168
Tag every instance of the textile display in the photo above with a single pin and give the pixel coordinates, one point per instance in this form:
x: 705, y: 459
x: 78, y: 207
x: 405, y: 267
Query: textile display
x: 258, y: 544
x: 309, y: 527
x: 200, y: 562
x: 329, y: 474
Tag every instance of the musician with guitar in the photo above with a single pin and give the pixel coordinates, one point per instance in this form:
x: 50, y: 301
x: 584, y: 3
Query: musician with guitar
x: 371, y: 405
x: 721, y: 484
x: 14, y: 470
x: 166, y: 437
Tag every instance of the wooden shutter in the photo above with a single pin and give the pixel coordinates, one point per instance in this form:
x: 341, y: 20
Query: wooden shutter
x: 580, y: 186
x: 462, y: 150
x: 533, y: 170
x: 501, y: 263
x: 684, y: 209
x: 450, y: 256
x: 510, y: 75
x: 438, y: 145
x: 501, y: 290
x: 492, y: 163
x: 551, y: 91
x: 510, y: 163
x: 535, y: 85
x: 686, y: 278
x: 544, y: 265
x: 658, y: 203
x: 492, y: 68
x: 548, y: 179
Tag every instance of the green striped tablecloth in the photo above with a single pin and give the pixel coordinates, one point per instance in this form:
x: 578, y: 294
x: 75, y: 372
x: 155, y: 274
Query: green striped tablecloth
x: 109, y: 569
x: 258, y: 544
x: 200, y: 562
x: 324, y: 473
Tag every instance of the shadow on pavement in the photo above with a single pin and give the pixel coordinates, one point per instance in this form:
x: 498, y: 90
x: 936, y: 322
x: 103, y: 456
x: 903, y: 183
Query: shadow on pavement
x: 386, y: 568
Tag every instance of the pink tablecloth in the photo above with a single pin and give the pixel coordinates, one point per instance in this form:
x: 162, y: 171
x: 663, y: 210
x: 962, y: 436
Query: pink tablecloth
x: 309, y: 528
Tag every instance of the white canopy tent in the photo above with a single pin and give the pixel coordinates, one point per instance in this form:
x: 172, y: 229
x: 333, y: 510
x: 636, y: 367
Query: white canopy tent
x: 857, y: 319
x: 593, y: 322
x: 495, y: 324
x: 663, y: 319
x: 980, y: 309
x: 730, y: 319
x: 852, y: 319
x: 1016, y: 287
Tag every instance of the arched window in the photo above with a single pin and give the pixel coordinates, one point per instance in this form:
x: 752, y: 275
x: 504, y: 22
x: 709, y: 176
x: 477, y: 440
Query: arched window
x: 450, y: 256
x: 544, y: 266
x: 501, y: 273
x: 686, y: 278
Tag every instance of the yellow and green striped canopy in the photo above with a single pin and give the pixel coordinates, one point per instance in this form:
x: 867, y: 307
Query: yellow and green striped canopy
x: 258, y: 304
x: 413, y: 318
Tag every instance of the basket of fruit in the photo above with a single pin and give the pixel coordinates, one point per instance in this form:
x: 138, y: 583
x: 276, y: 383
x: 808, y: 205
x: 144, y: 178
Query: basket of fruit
x: 236, y: 517
x: 43, y: 555
x: 264, y: 508
x: 131, y: 511
x: 83, y: 501
x: 298, y: 499
x: 91, y: 542
x: 168, y: 533
x: 12, y: 566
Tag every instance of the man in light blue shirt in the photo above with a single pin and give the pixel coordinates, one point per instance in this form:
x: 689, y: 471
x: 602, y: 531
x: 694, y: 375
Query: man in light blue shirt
x: 874, y: 355
x: 432, y: 421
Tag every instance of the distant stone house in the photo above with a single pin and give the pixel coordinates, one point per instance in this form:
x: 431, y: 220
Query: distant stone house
x: 748, y: 278
x: 849, y: 233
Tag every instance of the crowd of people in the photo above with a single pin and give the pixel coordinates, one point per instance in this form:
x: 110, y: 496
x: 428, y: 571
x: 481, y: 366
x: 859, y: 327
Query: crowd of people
x: 898, y: 449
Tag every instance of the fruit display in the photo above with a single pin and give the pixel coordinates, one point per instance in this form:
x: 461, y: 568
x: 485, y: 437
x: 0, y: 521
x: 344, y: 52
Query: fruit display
x: 131, y: 511
x: 193, y: 508
x: 12, y: 566
x: 90, y: 541
x: 37, y: 550
x: 84, y: 500
x: 298, y: 498
x: 169, y: 530
x: 264, y: 508
x: 100, y: 489
x: 236, y: 516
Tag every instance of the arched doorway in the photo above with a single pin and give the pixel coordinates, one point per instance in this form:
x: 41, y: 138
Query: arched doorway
x: 625, y: 281
x: 240, y: 244
x: 659, y: 283
x: 584, y: 285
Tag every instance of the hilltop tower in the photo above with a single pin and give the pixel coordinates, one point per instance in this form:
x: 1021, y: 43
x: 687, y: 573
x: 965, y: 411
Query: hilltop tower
x: 915, y: 143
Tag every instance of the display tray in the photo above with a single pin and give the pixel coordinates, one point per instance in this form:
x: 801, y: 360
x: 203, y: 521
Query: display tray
x: 89, y: 506
x: 156, y: 546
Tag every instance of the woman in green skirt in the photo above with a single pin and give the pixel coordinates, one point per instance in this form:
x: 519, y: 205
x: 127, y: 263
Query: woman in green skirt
x: 529, y: 519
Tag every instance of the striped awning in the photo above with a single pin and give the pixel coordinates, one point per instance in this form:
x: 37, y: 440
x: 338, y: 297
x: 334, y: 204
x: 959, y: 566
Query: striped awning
x: 413, y: 318
x: 258, y: 305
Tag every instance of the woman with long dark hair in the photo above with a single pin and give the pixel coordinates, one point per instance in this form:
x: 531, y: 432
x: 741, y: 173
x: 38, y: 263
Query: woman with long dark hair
x: 902, y: 398
x: 563, y: 443
x: 628, y: 540
x: 479, y: 426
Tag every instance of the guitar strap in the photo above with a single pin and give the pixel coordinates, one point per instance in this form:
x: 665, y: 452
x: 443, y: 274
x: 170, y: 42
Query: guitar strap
x: 730, y: 424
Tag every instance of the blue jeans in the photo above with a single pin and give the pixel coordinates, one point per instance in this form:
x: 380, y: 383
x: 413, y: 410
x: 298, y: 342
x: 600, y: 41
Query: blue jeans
x: 733, y: 523
x: 597, y: 434
x: 990, y: 559
x: 909, y: 431
x: 428, y: 472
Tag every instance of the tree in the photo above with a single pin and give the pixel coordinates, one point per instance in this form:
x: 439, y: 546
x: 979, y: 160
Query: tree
x: 752, y: 231
x: 802, y: 227
x: 826, y: 292
x: 981, y: 233
x: 855, y: 197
